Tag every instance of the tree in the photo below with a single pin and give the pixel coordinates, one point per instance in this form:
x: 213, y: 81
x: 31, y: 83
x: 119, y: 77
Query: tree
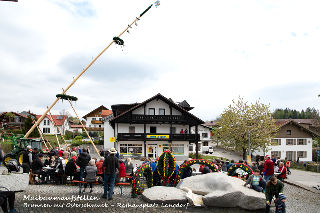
x: 28, y: 123
x: 11, y: 116
x: 240, y: 118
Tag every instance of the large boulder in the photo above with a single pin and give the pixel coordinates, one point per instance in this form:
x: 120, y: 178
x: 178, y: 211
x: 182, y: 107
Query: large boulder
x: 164, y: 195
x: 220, y: 190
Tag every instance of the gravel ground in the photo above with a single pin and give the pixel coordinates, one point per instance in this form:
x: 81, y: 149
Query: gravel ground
x: 298, y: 200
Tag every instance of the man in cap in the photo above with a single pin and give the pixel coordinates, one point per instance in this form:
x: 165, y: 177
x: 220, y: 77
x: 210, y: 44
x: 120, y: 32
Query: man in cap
x: 26, y: 160
x: 111, y: 164
x: 268, y: 169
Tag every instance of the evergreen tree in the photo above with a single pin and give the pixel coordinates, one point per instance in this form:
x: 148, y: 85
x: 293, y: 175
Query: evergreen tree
x: 27, y: 125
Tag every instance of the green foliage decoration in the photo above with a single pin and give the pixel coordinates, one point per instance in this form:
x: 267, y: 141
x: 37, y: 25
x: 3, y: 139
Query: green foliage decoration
x: 166, y: 166
x: 242, y: 166
x: 66, y: 97
x: 136, y: 178
x: 118, y: 40
x: 184, y: 166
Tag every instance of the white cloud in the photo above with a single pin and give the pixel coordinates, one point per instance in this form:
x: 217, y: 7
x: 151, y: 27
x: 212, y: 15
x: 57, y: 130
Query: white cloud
x: 207, y: 52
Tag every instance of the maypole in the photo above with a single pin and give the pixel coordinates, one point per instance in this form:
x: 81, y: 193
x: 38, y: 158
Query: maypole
x: 117, y: 40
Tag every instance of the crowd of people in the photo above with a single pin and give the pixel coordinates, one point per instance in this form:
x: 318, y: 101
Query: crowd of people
x: 79, y: 165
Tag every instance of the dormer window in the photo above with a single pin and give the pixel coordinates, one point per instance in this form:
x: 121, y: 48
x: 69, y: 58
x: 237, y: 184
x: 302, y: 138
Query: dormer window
x: 45, y: 122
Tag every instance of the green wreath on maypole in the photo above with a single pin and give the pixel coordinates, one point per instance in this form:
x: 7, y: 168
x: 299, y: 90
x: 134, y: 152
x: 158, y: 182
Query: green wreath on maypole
x: 166, y: 166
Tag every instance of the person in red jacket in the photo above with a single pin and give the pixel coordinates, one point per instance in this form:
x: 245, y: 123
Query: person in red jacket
x: 268, y: 169
x: 100, y: 169
x: 60, y: 152
x: 283, y: 172
x: 122, y: 171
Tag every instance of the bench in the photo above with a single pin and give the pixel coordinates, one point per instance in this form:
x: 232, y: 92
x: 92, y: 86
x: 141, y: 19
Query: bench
x: 120, y: 184
x: 31, y: 176
x: 63, y: 177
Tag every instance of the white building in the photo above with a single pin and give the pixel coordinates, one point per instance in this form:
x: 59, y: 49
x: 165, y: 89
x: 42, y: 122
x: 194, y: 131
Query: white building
x: 205, y: 138
x: 148, y: 128
x: 47, y: 125
x: 94, y: 123
x: 293, y: 141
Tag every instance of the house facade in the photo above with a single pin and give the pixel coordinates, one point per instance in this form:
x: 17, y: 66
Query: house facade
x: 149, y: 128
x: 13, y: 123
x: 205, y: 138
x: 294, y: 140
x: 48, y: 128
x: 94, y: 123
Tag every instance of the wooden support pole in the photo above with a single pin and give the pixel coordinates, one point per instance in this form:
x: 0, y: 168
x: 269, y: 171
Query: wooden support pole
x: 85, y: 129
x: 55, y: 133
x: 41, y: 133
x: 83, y: 71
x: 42, y: 138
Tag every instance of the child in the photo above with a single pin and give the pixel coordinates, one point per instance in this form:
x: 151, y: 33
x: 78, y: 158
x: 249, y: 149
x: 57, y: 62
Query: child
x: 280, y: 204
x: 256, y: 181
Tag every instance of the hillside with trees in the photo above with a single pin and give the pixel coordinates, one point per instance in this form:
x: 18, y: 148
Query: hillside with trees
x: 309, y: 113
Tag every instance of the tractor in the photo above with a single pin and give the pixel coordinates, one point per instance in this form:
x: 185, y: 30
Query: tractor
x: 19, y: 147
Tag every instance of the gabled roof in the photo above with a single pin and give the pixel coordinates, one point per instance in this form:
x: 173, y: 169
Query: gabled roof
x: 106, y: 113
x: 16, y: 113
x: 284, y: 122
x: 59, y: 119
x: 164, y: 99
x: 99, y: 108
x: 210, y: 123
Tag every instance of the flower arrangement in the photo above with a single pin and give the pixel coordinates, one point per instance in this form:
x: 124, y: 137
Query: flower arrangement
x: 142, y: 187
x: 166, y: 166
x: 136, y: 185
x: 213, y: 167
x: 245, y: 169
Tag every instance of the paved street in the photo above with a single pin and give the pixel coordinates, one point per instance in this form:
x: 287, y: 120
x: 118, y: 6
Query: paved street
x: 298, y: 200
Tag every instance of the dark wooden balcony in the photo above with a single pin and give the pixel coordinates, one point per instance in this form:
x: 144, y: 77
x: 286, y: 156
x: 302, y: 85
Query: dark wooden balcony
x: 94, y: 128
x: 157, y: 118
x: 157, y: 137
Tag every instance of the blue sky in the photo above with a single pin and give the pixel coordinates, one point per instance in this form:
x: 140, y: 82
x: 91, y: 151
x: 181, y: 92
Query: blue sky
x: 205, y: 52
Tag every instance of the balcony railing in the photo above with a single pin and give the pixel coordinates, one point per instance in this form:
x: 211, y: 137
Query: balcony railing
x: 94, y: 128
x: 157, y: 136
x: 161, y: 118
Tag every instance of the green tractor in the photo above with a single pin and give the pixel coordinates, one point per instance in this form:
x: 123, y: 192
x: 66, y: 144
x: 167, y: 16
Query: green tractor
x: 19, y: 147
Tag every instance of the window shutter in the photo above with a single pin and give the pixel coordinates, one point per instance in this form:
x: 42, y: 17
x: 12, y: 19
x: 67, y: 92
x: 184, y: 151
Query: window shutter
x: 279, y: 154
x: 294, y: 155
x: 304, y: 141
x: 287, y: 154
x: 305, y: 154
x: 279, y: 141
x: 294, y: 141
x: 287, y: 141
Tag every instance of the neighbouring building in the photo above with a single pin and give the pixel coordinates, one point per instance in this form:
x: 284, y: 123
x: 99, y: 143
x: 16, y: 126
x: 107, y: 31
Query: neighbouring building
x: 12, y: 123
x: 150, y: 127
x: 48, y: 128
x: 294, y: 139
x: 94, y: 123
x: 205, y: 138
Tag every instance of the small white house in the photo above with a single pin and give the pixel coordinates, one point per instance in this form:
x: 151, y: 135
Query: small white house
x: 47, y: 124
x: 294, y: 140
